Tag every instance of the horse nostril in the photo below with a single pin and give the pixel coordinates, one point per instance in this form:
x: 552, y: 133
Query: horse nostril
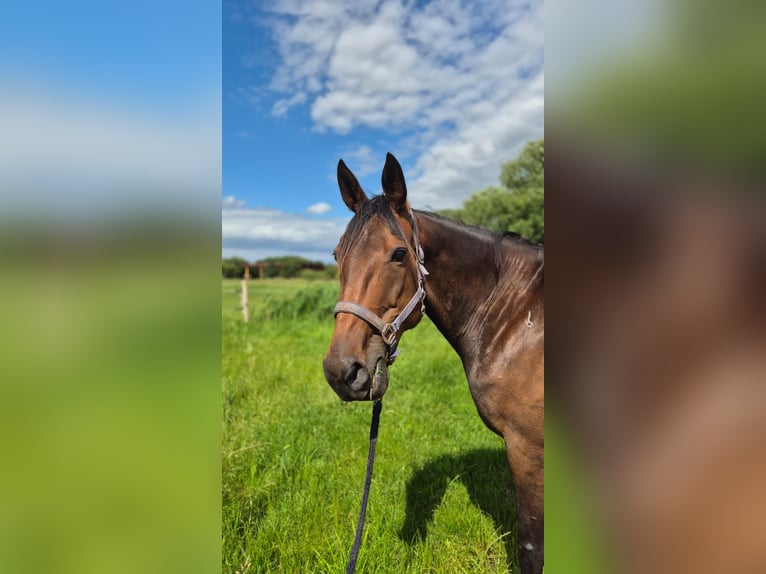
x: 355, y: 374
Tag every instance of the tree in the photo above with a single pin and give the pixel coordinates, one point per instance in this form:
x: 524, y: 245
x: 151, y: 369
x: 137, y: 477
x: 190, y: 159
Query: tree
x: 233, y: 267
x: 499, y: 210
x: 288, y: 266
x: 526, y: 171
x: 518, y: 205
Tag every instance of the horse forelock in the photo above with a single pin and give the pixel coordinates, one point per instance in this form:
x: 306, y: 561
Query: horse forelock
x: 378, y: 206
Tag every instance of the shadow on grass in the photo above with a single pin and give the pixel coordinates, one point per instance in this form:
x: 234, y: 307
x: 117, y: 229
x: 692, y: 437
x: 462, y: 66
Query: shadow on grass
x: 484, y: 472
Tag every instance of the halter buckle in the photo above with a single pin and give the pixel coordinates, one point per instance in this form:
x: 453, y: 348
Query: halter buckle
x: 388, y: 334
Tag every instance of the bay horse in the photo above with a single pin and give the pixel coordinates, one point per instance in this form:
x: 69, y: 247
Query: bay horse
x: 483, y: 291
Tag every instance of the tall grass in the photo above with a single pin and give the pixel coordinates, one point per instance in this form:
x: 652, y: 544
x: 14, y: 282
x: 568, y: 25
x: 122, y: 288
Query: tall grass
x: 293, y: 454
x: 314, y: 303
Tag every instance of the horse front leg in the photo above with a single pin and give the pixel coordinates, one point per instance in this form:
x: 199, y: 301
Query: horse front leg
x: 525, y: 460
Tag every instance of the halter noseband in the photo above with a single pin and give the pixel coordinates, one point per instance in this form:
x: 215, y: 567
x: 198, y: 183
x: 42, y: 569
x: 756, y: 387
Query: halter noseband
x: 389, y: 331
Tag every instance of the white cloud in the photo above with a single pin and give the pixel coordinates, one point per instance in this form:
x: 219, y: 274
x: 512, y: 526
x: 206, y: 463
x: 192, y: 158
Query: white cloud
x: 319, y: 208
x: 471, y: 157
x: 462, y: 81
x: 363, y: 159
x: 260, y: 232
x: 281, y: 107
x: 231, y: 202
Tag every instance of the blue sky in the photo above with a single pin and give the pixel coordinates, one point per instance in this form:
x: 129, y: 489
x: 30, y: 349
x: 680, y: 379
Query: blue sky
x: 108, y: 104
x: 105, y: 105
x: 141, y: 51
x: 453, y: 89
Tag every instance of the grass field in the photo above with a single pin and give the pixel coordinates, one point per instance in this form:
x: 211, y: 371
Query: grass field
x: 293, y: 454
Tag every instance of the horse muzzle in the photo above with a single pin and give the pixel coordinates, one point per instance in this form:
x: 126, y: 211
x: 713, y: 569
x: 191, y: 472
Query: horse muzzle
x: 353, y: 380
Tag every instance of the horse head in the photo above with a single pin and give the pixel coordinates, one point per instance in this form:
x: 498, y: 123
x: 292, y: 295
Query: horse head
x: 381, y: 285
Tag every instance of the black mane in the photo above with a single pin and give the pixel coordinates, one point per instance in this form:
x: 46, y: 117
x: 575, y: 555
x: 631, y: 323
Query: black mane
x: 494, y: 241
x: 379, y: 206
x: 512, y: 235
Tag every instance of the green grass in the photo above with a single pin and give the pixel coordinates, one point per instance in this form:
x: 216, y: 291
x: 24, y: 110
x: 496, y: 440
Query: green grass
x: 293, y: 455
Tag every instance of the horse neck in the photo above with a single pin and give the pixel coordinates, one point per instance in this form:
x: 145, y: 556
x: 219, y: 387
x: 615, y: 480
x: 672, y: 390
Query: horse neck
x: 473, y: 275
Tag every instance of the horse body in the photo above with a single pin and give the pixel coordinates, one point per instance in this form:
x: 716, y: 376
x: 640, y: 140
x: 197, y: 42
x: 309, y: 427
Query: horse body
x: 485, y: 295
x: 495, y: 320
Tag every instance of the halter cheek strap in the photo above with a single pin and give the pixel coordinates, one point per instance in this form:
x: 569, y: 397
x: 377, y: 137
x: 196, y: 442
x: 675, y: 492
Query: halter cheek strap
x: 389, y: 332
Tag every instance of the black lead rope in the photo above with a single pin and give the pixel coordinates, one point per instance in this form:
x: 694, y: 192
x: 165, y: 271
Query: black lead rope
x: 376, y: 407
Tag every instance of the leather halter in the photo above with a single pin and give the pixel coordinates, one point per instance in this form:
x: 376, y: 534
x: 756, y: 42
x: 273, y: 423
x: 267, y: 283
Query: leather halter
x: 389, y: 331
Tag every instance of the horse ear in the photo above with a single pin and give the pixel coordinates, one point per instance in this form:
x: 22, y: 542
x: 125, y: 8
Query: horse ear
x: 352, y: 193
x: 394, y: 187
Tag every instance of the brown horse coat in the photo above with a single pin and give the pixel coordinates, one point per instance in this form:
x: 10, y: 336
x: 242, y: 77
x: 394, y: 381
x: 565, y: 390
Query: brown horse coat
x: 485, y: 295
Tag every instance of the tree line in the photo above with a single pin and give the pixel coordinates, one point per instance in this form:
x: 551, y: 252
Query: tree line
x: 287, y: 267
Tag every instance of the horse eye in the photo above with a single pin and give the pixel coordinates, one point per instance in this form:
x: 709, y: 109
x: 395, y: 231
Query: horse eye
x: 399, y: 254
x: 335, y: 255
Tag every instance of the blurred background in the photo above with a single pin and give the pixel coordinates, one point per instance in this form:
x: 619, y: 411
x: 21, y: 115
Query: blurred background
x: 656, y: 280
x: 110, y: 166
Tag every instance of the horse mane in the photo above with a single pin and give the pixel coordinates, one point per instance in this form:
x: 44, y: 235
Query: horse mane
x: 518, y: 238
x: 512, y: 235
x: 498, y: 239
x: 379, y: 206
